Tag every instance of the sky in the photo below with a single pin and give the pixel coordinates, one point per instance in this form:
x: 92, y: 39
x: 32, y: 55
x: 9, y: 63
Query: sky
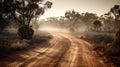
x: 99, y: 7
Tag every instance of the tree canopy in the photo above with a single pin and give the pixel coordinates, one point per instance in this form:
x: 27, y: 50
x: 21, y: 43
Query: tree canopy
x: 72, y: 15
x: 97, y: 24
x: 115, y: 10
x: 22, y: 11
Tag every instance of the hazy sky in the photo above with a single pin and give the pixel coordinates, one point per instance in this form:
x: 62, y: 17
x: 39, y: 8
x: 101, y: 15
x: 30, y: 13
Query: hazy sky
x: 99, y: 7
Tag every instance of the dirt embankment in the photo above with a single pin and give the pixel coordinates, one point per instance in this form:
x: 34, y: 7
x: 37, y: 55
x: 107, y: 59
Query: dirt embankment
x: 102, y: 43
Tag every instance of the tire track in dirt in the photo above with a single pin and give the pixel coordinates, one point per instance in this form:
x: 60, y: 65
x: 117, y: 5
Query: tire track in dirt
x: 65, y: 50
x: 53, y: 57
x: 39, y: 57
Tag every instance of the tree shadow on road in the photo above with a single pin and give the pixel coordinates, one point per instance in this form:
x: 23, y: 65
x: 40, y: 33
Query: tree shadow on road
x: 15, y: 54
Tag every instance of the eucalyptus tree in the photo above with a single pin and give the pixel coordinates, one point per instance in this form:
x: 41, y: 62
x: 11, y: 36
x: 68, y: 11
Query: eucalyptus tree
x: 73, y: 17
x: 116, y: 12
x: 22, y: 12
x: 108, y: 22
x: 88, y: 19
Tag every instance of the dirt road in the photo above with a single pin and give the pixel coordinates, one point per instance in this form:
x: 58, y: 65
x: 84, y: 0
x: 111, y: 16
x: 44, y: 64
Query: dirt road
x: 63, y: 50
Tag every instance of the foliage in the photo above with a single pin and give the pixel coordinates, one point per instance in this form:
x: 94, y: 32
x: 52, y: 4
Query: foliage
x: 78, y: 19
x: 116, y: 41
x: 25, y: 32
x: 108, y: 22
x: 73, y: 17
x: 97, y: 24
x: 89, y: 17
x: 22, y: 11
x: 116, y: 11
x: 73, y: 20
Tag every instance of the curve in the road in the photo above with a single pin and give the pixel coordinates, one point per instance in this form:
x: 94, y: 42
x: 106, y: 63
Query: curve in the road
x: 64, y: 50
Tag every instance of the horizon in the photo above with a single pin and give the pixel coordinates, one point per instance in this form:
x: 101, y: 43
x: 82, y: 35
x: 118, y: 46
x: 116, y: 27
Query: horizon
x: 98, y: 7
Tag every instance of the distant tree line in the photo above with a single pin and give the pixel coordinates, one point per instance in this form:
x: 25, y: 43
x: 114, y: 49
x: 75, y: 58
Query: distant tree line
x: 74, y: 20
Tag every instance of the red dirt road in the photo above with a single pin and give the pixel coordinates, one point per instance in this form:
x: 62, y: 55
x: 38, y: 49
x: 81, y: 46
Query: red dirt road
x: 63, y: 50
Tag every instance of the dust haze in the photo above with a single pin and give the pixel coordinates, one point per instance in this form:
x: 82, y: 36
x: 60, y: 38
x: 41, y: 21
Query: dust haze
x: 72, y: 34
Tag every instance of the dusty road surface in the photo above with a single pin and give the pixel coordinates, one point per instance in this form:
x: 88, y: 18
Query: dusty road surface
x: 62, y: 50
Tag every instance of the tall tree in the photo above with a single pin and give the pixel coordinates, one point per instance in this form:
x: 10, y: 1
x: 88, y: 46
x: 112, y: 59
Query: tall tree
x: 22, y: 11
x: 116, y: 11
x: 108, y: 22
x: 88, y: 19
x: 73, y: 17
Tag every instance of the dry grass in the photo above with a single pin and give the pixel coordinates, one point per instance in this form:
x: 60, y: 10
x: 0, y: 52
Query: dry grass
x: 8, y: 45
x: 103, y: 46
x: 11, y: 42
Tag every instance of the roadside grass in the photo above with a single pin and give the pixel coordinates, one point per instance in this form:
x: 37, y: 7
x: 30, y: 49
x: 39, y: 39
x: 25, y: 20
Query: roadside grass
x: 102, y: 44
x: 10, y: 43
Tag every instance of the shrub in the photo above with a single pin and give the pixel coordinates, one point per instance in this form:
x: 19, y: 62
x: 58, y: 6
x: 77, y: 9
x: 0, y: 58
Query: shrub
x: 25, y: 32
x: 116, y: 41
